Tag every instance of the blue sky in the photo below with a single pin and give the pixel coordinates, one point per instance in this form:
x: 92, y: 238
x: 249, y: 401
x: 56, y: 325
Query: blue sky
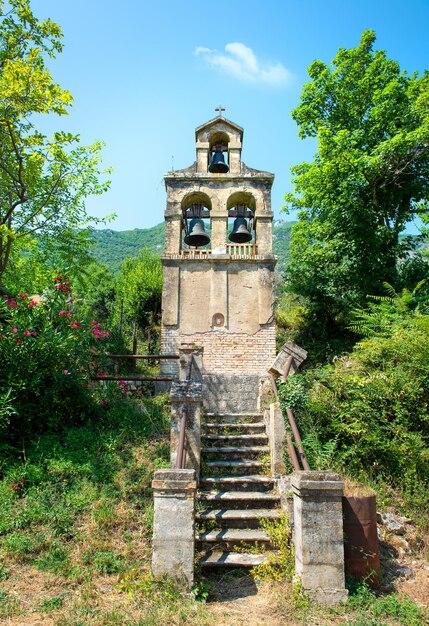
x: 144, y: 74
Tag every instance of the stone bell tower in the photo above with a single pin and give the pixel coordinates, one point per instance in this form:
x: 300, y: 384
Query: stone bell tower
x: 220, y: 295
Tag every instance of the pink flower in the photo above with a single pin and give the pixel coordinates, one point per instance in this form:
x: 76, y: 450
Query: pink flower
x: 122, y: 383
x: 62, y: 312
x: 104, y: 401
x: 105, y: 333
x: 65, y: 372
x: 100, y: 372
x: 75, y: 324
x: 34, y: 334
x: 22, y: 296
x: 15, y: 330
x: 31, y: 304
x: 18, y: 341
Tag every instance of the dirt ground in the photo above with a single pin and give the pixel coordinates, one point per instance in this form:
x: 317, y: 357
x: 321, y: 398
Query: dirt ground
x: 236, y: 599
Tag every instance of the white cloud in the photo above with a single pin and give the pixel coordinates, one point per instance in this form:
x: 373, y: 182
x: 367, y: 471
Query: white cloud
x: 241, y: 62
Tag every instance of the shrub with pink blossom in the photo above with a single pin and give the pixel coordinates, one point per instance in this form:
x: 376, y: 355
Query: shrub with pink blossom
x: 47, y: 357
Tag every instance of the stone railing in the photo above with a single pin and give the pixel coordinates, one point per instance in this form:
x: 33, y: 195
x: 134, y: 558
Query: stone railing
x: 173, y: 543
x: 242, y: 249
x: 191, y: 253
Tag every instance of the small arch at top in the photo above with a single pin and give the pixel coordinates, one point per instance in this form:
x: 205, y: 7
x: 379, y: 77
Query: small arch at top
x: 241, y: 197
x: 219, y: 138
x: 196, y: 197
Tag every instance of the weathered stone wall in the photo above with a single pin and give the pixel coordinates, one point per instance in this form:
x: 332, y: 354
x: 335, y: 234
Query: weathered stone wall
x: 173, y: 539
x: 224, y: 305
x: 225, y: 352
x: 233, y: 365
x: 220, y: 298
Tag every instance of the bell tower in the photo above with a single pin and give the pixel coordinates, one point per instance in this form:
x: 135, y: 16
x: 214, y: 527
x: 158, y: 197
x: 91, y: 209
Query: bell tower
x: 218, y: 267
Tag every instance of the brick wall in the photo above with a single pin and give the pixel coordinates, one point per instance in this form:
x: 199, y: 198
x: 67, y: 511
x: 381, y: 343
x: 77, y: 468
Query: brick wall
x: 231, y: 354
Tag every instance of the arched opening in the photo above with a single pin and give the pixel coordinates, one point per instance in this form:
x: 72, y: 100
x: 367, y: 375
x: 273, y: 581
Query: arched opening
x: 196, y: 228
x: 218, y: 153
x: 241, y: 218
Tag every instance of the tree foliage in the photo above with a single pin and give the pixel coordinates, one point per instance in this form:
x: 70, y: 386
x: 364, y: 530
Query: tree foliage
x: 370, y: 175
x: 139, y: 289
x: 43, y: 181
x: 373, y: 403
x: 47, y: 355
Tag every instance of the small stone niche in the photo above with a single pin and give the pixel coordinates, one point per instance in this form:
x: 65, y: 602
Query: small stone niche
x: 218, y: 320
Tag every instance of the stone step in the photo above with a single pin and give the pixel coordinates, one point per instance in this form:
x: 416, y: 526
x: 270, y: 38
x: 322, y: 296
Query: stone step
x: 231, y: 418
x: 232, y: 559
x: 235, y: 450
x: 244, y: 440
x: 216, y: 427
x: 234, y: 453
x: 238, y: 483
x: 229, y: 468
x: 234, y: 535
x: 241, y: 498
x: 237, y: 518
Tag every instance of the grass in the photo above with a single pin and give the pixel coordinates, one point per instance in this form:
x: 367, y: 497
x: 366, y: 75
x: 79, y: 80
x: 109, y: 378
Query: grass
x: 75, y: 532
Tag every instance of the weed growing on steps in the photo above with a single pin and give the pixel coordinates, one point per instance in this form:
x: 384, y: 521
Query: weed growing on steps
x: 280, y: 564
x: 265, y: 459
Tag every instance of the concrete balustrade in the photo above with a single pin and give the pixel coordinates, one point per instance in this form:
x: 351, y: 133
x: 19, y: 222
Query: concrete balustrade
x: 173, y: 542
x: 318, y: 535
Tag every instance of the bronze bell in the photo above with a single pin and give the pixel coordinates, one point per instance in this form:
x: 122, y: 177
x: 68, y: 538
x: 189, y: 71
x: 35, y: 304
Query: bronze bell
x: 197, y: 235
x: 217, y: 163
x: 240, y: 232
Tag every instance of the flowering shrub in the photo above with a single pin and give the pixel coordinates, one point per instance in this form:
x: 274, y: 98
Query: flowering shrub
x: 47, y: 356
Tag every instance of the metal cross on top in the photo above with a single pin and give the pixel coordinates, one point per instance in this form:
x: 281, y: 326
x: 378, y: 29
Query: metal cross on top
x: 219, y: 109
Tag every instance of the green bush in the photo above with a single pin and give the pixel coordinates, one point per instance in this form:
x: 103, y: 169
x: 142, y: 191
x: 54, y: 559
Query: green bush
x: 373, y: 404
x: 47, y: 357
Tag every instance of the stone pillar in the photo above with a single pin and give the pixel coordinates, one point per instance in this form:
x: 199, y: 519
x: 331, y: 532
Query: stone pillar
x: 186, y: 396
x: 190, y: 353
x: 219, y: 225
x: 318, y: 531
x: 173, y: 540
x: 276, y: 435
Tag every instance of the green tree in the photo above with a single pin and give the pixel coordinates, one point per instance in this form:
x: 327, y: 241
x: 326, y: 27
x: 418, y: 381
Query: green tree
x: 370, y: 176
x: 95, y: 290
x: 43, y: 181
x: 138, y: 292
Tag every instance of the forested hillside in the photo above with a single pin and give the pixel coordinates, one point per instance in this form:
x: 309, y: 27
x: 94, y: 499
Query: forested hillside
x: 112, y: 247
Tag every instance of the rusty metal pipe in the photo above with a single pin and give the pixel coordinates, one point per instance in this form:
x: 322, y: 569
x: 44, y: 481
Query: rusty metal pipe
x: 297, y: 438
x: 287, y: 367
x: 292, y: 454
x: 290, y: 447
x: 274, y: 386
x: 152, y: 378
x: 181, y: 446
x: 157, y: 357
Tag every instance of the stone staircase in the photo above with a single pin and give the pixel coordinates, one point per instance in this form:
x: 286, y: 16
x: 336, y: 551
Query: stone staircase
x: 236, y: 491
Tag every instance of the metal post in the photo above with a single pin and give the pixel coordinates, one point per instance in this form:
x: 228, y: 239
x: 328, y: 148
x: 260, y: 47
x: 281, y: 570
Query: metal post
x: 181, y: 447
x: 292, y: 454
x: 297, y: 438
